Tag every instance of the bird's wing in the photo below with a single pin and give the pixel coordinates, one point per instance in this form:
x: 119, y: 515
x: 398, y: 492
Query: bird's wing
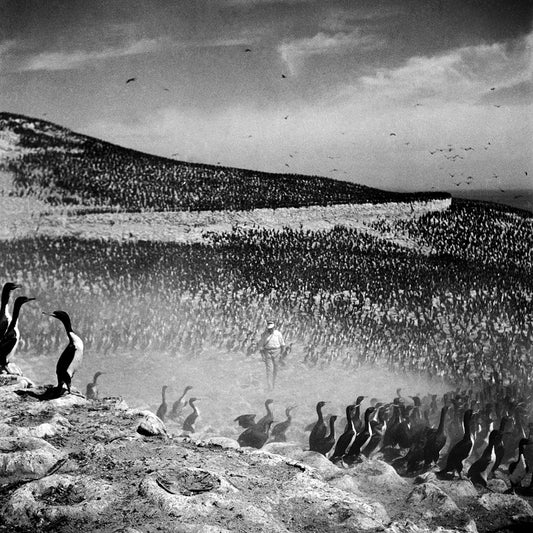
x: 64, y: 362
x: 7, y: 343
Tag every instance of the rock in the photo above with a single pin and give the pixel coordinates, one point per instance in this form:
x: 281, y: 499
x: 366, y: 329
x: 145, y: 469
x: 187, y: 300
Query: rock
x: 58, y: 425
x: 508, y: 504
x: 321, y: 507
x: 13, y: 369
x: 287, y: 449
x: 497, y: 485
x: 316, y: 460
x: 410, y: 527
x: 432, y: 506
x: 223, y: 442
x: 459, y: 490
x: 151, y: 425
x: 26, y: 458
x: 209, y: 506
x: 431, y: 499
x: 379, y: 481
x: 58, y: 497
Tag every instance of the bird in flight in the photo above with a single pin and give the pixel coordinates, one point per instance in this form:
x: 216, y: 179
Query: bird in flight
x: 129, y: 80
x: 283, y: 76
x: 498, y: 106
x: 392, y: 134
x: 286, y: 117
x: 248, y: 50
x: 492, y: 88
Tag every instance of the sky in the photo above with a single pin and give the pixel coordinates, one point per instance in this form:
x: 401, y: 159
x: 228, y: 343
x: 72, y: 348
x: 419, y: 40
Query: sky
x: 400, y: 95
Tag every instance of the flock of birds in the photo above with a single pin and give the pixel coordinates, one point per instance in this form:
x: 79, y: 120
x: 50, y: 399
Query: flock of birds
x: 410, y: 435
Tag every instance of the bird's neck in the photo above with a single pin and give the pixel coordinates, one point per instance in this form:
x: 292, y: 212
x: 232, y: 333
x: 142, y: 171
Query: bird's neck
x: 163, y: 394
x: 441, y: 421
x: 5, y: 299
x: 15, y: 317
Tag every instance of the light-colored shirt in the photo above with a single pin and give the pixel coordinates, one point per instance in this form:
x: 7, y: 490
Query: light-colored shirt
x: 271, y: 340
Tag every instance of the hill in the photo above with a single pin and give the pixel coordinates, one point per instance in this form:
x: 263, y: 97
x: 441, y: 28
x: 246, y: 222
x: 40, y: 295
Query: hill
x: 65, y: 168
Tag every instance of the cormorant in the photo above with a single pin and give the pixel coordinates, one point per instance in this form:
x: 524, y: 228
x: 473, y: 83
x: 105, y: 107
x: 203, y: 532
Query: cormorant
x: 91, y: 392
x: 188, y: 424
x: 72, y: 356
x: 499, y: 445
x: 319, y: 429
x: 5, y: 317
x: 357, y: 422
x: 162, y: 409
x: 436, y: 439
x: 324, y: 445
x: 346, y: 439
x: 269, y: 417
x: 460, y: 450
x: 179, y: 404
x: 476, y: 471
x: 519, y: 468
x: 361, y: 440
x: 11, y: 338
x: 378, y: 426
x: 278, y: 432
x: 255, y: 436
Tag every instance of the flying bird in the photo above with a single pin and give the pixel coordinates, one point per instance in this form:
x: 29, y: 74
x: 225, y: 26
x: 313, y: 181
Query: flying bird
x: 392, y: 134
x: 129, y: 80
x: 248, y: 50
x: 286, y: 117
x: 492, y: 88
x: 283, y: 76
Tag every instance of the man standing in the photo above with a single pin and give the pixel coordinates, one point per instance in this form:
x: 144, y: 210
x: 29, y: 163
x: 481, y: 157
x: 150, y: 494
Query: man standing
x: 271, y: 346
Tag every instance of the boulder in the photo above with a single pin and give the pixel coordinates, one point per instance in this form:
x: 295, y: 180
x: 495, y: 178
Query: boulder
x: 58, y: 497
x: 57, y: 425
x: 497, y: 485
x: 287, y: 449
x: 223, y: 442
x: 151, y: 425
x: 321, y: 507
x: 320, y: 463
x: 26, y: 458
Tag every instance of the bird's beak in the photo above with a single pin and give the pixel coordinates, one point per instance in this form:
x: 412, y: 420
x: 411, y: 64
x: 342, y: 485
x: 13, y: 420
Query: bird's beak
x: 30, y: 299
x: 48, y: 314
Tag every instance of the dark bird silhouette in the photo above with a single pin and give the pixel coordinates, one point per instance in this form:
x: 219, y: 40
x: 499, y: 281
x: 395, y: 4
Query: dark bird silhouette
x: 11, y: 338
x: 519, y: 468
x: 460, y: 450
x: 477, y: 471
x: 492, y: 88
x: 498, y: 106
x: 248, y: 50
x: 436, y: 440
x: 278, y: 433
x: 71, y: 357
x: 129, y: 80
x: 5, y: 317
x: 286, y: 117
x: 188, y: 423
x: 392, y: 134
x: 179, y: 404
x: 346, y: 439
x: 361, y: 440
x: 91, y: 392
x: 283, y: 76
x: 162, y: 409
x: 255, y: 436
x: 245, y: 421
x: 325, y: 444
x: 319, y: 429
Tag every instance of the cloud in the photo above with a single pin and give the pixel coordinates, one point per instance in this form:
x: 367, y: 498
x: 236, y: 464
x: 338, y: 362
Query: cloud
x: 460, y: 75
x: 67, y: 60
x: 294, y: 52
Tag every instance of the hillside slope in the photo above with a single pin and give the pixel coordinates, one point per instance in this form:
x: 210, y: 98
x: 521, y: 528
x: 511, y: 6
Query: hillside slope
x: 63, y: 167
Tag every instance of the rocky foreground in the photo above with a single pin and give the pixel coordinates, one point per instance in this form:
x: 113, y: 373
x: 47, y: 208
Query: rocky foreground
x: 72, y: 464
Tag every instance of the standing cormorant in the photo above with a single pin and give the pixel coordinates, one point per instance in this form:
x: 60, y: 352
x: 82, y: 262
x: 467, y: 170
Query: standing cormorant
x: 436, y: 439
x: 361, y: 440
x: 279, y: 431
x: 519, y: 468
x: 179, y: 404
x: 188, y: 423
x: 162, y: 409
x: 5, y: 317
x: 269, y: 417
x: 91, y: 392
x: 319, y: 429
x: 72, y: 356
x: 11, y: 338
x: 325, y: 444
x: 346, y: 439
x: 477, y: 470
x: 460, y: 450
